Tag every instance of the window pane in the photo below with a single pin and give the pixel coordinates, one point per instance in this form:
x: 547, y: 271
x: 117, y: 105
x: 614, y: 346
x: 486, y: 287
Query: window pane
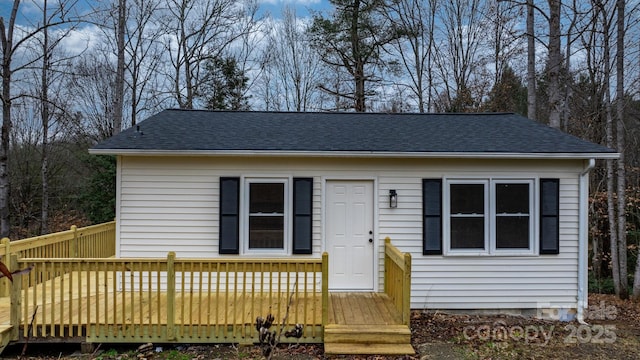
x: 467, y: 233
x: 512, y: 198
x: 266, y: 198
x: 467, y: 198
x: 512, y: 232
x: 266, y: 232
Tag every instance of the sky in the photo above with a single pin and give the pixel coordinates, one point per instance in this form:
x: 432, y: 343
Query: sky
x: 30, y: 13
x: 303, y: 7
x: 29, y: 9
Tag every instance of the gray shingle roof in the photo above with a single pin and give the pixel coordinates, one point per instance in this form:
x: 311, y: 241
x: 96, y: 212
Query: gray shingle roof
x: 196, y: 131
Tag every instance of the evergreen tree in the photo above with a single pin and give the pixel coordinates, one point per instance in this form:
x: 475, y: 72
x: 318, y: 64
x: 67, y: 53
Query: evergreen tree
x: 508, y: 94
x: 225, y: 85
x: 353, y: 39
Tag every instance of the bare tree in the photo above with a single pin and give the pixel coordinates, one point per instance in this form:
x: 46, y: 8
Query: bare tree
x: 554, y: 64
x: 118, y: 96
x: 459, y: 60
x: 606, y: 21
x: 416, y: 49
x: 93, y: 81
x: 11, y: 46
x: 620, y: 146
x: 197, y: 30
x: 143, y: 54
x: 503, y: 20
x: 44, y: 99
x: 531, y: 61
x: 292, y: 64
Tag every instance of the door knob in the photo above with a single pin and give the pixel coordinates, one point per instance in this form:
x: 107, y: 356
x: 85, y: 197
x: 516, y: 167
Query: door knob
x: 370, y: 240
x: 370, y: 232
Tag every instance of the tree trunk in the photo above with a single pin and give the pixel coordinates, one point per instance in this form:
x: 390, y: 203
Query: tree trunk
x: 531, y: 62
x: 358, y: 66
x: 620, y: 144
x: 360, y: 105
x: 6, y: 37
x: 554, y: 64
x: 4, y: 142
x: 118, y: 98
x: 596, y: 259
x: 611, y: 203
x: 44, y: 113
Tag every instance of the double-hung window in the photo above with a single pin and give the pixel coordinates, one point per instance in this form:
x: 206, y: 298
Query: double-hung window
x: 266, y: 215
x: 266, y: 206
x: 489, y: 216
x: 468, y: 215
x: 513, y: 215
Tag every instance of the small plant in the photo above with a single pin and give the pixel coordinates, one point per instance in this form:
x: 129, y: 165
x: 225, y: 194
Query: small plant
x: 175, y: 355
x: 109, y: 354
x: 268, y: 338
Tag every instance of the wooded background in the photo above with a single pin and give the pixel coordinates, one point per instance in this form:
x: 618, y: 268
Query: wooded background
x: 76, y: 72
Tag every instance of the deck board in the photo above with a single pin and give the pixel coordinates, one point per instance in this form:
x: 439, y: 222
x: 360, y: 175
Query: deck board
x: 365, y: 323
x: 366, y: 308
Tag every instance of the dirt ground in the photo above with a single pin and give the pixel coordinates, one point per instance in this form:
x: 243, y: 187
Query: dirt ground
x: 613, y: 332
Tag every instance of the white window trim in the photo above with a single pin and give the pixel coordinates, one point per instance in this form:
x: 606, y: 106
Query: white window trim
x: 446, y: 211
x: 244, y: 223
x: 490, y: 216
x: 532, y: 215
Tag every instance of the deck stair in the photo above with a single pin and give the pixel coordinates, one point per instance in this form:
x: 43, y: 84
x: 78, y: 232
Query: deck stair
x: 365, y: 323
x: 5, y: 336
x: 367, y: 339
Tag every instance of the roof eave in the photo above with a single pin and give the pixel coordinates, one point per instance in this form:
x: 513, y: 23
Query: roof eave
x: 358, y: 154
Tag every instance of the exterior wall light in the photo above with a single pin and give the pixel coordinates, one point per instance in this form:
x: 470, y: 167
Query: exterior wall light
x: 393, y: 199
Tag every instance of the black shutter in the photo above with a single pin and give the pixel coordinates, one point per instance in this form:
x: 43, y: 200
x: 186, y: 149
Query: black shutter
x: 302, y: 215
x: 432, y: 216
x: 549, y: 216
x: 229, y: 215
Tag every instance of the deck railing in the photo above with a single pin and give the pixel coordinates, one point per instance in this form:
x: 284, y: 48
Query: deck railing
x: 168, y: 299
x: 76, y: 289
x: 92, y: 241
x: 397, y: 279
x: 95, y: 241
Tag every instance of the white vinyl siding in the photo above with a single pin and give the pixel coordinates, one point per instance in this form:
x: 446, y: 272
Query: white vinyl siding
x: 171, y: 204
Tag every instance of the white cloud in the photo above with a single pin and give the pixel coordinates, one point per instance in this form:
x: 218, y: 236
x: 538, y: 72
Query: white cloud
x: 81, y: 39
x: 290, y: 2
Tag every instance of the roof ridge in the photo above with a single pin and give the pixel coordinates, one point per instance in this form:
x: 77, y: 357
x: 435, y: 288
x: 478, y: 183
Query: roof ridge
x: 344, y: 112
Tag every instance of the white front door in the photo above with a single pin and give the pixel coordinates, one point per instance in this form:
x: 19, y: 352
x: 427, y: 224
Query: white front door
x: 349, y: 234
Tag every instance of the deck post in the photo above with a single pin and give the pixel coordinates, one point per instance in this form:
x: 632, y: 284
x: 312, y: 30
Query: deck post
x: 171, y: 296
x: 73, y: 248
x: 4, y: 284
x: 16, y: 299
x: 325, y: 289
x: 406, y: 290
x: 387, y: 286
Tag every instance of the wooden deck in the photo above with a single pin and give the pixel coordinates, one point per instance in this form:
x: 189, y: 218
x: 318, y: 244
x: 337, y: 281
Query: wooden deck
x: 365, y: 323
x: 104, y: 306
x: 86, y: 295
x: 362, y: 308
x: 357, y: 322
x: 101, y: 317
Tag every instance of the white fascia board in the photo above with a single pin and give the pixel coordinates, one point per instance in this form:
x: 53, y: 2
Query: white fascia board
x: 357, y: 154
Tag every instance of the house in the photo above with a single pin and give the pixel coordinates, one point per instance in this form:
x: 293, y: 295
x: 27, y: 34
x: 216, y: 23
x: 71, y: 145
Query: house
x: 492, y: 207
